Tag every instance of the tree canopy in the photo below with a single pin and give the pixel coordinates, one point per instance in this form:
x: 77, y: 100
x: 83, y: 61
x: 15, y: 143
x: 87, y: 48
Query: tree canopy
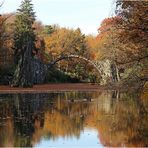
x: 121, y: 39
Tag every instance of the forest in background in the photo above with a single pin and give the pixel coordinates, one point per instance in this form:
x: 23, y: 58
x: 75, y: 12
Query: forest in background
x: 122, y: 39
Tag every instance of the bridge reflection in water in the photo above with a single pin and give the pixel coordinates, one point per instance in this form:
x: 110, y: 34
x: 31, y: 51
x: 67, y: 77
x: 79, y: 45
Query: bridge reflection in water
x: 118, y: 119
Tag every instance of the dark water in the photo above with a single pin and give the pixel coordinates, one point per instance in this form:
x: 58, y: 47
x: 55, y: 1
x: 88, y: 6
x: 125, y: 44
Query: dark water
x: 74, y: 119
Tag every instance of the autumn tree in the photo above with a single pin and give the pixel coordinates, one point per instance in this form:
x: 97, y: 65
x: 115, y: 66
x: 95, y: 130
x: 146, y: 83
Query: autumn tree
x: 42, y: 32
x: 133, y: 35
x: 6, y: 30
x: 133, y: 25
x: 1, y: 33
x: 108, y: 42
x: 64, y: 42
x: 24, y: 44
x: 1, y: 30
x: 8, y: 39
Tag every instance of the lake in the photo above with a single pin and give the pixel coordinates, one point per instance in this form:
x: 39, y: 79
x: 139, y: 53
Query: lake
x: 74, y: 119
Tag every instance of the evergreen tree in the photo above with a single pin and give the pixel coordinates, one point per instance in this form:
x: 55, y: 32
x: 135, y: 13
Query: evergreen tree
x: 24, y: 44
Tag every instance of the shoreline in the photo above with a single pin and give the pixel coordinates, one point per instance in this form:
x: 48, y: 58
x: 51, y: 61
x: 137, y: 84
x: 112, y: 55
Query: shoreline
x: 47, y: 88
x: 59, y: 87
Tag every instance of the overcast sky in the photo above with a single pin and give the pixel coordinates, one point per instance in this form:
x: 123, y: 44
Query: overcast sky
x: 85, y: 14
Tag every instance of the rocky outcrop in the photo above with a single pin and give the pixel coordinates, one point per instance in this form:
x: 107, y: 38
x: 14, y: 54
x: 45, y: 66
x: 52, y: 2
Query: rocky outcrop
x: 105, y: 71
x: 108, y: 72
x: 39, y: 71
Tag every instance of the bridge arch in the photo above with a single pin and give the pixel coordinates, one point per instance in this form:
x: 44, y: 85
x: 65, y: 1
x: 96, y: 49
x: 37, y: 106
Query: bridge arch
x: 74, y: 56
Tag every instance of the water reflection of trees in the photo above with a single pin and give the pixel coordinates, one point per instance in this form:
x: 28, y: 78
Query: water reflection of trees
x: 126, y: 124
x: 120, y: 118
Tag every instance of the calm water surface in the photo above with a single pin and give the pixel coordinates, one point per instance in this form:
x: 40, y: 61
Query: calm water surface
x: 74, y: 119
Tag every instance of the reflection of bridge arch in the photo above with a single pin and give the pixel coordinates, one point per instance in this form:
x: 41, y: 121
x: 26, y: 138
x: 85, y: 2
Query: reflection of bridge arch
x: 74, y: 56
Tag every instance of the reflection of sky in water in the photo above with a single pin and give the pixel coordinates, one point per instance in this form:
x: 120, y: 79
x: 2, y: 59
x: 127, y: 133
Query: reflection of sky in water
x: 88, y: 138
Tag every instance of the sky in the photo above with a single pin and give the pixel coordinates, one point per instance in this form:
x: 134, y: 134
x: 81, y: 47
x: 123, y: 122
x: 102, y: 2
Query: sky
x: 85, y: 14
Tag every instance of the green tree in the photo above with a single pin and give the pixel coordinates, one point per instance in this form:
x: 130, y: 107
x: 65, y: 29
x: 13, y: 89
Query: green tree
x: 24, y: 44
x: 49, y: 29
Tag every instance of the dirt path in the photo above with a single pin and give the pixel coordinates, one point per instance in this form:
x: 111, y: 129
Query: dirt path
x: 45, y: 88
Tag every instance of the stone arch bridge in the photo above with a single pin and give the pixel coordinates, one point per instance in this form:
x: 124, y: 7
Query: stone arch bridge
x: 106, y: 69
